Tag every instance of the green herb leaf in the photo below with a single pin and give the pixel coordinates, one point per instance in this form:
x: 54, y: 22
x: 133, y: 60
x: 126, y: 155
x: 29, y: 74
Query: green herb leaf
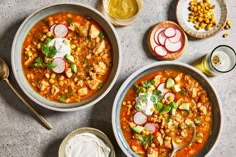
x: 69, y: 20
x: 62, y: 98
x: 101, y: 35
x: 36, y: 81
x: 85, y: 62
x: 173, y: 105
x: 190, y: 126
x: 69, y: 94
x: 145, y: 139
x: 48, y: 40
x: 159, y: 106
x: 88, y: 38
x: 166, y: 109
x: 48, y: 51
x: 38, y: 62
x: 197, y: 121
x: 50, y: 65
x: 100, y: 86
x: 183, y: 92
x: 157, y: 92
x: 45, y: 21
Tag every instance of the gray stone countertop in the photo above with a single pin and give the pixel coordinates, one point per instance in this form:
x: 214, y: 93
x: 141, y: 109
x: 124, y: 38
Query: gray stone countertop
x: 22, y: 136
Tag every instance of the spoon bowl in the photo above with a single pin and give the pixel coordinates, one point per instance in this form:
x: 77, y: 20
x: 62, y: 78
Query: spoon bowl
x: 4, y: 74
x: 177, y: 147
x: 4, y: 70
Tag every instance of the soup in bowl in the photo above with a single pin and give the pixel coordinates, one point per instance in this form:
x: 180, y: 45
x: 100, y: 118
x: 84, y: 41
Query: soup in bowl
x: 66, y: 56
x: 161, y: 104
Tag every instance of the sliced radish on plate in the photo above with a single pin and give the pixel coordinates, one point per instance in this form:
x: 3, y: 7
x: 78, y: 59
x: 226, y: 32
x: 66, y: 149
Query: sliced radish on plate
x: 162, y: 37
x: 60, y: 30
x: 156, y: 34
x: 151, y: 127
x: 60, y: 65
x: 160, y: 51
x: 170, y: 32
x: 162, y: 87
x: 140, y: 118
x: 52, y: 29
x: 177, y: 36
x: 173, y: 47
x: 169, y: 97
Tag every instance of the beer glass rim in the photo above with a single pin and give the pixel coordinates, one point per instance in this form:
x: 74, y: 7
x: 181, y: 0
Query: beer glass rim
x: 214, y: 51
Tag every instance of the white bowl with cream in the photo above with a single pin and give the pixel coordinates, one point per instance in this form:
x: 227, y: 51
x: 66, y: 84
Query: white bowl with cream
x: 86, y: 142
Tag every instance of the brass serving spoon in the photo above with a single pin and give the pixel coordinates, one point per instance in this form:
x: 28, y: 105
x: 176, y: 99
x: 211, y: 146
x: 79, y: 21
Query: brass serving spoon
x: 178, y: 147
x: 4, y: 74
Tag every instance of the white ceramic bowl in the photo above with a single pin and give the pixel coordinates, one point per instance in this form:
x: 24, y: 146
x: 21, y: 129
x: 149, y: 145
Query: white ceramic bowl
x: 98, y: 133
x: 187, y: 69
x: 42, y: 13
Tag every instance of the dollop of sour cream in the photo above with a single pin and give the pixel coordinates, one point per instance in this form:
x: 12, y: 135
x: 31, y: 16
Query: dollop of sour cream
x: 62, y: 46
x: 145, y: 104
x: 86, y: 145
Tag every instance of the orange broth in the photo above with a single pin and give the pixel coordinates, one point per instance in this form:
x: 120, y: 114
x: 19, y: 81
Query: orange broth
x: 200, y: 109
x: 92, y: 58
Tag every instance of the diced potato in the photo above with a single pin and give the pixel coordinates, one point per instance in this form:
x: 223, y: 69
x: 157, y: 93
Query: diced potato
x: 94, y: 31
x: 83, y: 91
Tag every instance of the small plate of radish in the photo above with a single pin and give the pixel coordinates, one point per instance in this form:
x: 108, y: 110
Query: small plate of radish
x: 167, y: 41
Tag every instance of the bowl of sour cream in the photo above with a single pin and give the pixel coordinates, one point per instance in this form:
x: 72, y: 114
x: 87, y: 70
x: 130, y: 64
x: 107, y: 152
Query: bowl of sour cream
x: 86, y: 142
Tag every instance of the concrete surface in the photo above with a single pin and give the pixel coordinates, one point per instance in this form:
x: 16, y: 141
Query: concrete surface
x: 22, y: 136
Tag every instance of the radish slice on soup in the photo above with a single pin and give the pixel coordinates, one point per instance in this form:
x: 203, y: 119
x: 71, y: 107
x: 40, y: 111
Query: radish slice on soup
x: 157, y: 34
x: 140, y: 118
x: 169, y: 97
x: 162, y: 37
x: 52, y: 29
x: 162, y: 87
x: 151, y: 127
x: 173, y: 47
x: 160, y: 51
x: 60, y: 65
x: 177, y: 36
x: 170, y: 32
x: 61, y: 30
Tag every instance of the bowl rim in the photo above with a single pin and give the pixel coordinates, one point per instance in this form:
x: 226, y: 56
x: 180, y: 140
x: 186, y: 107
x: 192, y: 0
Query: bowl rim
x: 102, y: 136
x: 75, y: 108
x: 138, y: 72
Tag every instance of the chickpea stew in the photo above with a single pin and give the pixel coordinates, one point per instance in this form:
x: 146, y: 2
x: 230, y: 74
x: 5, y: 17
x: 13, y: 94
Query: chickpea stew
x: 162, y: 106
x: 67, y: 57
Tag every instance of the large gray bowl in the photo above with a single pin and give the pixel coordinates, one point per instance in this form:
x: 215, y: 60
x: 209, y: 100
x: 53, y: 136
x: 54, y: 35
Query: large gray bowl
x: 187, y: 69
x: 42, y: 13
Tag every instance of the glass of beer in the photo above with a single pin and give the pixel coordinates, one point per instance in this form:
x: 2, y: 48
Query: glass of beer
x: 221, y: 60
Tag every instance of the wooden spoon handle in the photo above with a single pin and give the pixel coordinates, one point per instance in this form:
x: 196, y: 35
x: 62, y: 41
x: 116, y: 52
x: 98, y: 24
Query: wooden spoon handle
x: 43, y: 120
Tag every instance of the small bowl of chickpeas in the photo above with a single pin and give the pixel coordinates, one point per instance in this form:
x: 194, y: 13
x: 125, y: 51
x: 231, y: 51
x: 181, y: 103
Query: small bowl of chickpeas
x: 201, y: 18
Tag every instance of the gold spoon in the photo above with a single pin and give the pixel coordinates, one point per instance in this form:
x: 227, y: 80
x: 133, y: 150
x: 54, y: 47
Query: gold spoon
x: 4, y: 73
x: 177, y: 147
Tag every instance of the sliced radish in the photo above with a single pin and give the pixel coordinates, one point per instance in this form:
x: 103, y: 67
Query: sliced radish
x: 177, y: 36
x: 60, y: 65
x: 160, y: 51
x: 169, y: 97
x: 162, y: 37
x: 162, y: 87
x: 170, y: 32
x: 61, y: 30
x: 140, y: 118
x: 52, y: 29
x: 173, y: 47
x: 151, y: 127
x: 157, y: 34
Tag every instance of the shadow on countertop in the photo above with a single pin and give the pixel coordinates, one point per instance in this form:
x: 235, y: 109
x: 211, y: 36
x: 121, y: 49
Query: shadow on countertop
x: 10, y: 97
x: 102, y: 116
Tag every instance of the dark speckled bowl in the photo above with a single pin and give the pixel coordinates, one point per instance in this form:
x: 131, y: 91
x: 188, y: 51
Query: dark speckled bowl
x: 42, y: 13
x: 187, y: 69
